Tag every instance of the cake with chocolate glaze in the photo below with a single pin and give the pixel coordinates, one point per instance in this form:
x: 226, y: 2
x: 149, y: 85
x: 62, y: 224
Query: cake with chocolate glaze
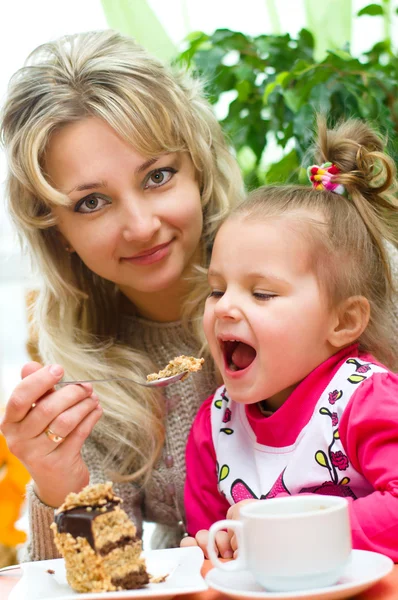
x: 98, y: 542
x: 179, y: 364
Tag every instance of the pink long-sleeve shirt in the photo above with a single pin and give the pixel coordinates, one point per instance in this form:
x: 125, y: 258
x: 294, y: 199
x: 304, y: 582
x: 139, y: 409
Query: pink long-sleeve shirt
x: 368, y: 432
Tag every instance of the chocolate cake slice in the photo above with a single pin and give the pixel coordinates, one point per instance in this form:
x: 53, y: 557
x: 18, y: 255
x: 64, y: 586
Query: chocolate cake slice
x: 98, y: 542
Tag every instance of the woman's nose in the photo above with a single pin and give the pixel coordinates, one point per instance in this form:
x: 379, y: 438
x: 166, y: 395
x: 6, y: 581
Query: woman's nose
x: 139, y: 223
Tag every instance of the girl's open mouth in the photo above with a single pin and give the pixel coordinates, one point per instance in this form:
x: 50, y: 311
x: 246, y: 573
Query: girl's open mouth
x: 237, y: 355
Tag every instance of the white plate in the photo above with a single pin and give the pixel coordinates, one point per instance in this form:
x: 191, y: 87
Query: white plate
x: 182, y: 565
x: 363, y: 571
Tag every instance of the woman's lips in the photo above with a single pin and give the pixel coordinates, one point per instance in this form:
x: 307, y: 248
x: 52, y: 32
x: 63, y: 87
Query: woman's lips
x: 150, y: 256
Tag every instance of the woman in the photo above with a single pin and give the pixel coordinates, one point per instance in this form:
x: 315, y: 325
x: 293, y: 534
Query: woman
x: 118, y: 176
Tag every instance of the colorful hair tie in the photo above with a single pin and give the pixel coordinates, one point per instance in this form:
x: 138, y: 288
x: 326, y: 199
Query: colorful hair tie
x: 321, y: 178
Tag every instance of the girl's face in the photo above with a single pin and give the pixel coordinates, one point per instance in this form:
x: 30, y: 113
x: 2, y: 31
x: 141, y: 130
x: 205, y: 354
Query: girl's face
x: 266, y: 320
x: 133, y: 221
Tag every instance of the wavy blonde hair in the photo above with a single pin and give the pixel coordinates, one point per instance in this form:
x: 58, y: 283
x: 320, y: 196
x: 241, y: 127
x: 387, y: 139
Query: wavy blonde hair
x: 109, y: 76
x: 347, y: 234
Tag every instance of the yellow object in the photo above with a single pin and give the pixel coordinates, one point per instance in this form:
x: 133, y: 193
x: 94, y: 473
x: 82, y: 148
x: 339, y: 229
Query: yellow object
x: 13, y: 480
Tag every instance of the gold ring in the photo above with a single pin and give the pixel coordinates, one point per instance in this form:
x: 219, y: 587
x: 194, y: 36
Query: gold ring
x: 54, y: 437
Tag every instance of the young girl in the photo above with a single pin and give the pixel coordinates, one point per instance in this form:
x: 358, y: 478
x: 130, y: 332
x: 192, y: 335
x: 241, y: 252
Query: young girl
x: 297, y: 322
x: 118, y: 175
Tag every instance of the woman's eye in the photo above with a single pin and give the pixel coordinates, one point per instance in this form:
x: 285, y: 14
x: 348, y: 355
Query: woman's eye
x: 159, y: 177
x: 263, y: 296
x: 216, y: 294
x: 90, y: 204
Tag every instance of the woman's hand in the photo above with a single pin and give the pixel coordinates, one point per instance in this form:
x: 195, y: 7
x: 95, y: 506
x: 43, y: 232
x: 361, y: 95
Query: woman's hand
x: 223, y: 546
x: 71, y: 412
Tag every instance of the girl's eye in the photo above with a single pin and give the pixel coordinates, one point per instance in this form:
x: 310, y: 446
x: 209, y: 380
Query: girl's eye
x: 91, y: 203
x: 159, y: 177
x: 263, y: 296
x: 216, y: 294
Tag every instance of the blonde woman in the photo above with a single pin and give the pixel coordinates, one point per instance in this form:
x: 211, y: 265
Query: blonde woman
x: 118, y: 176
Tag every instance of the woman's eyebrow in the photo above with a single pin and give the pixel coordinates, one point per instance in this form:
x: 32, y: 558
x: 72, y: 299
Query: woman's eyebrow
x: 87, y: 186
x: 96, y: 184
x: 148, y: 163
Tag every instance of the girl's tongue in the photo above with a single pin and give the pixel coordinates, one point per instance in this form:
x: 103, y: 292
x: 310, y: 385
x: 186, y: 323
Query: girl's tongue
x: 242, y: 356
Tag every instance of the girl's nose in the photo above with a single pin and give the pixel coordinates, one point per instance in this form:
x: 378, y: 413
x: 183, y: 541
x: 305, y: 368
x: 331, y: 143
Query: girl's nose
x: 139, y: 223
x: 227, y: 307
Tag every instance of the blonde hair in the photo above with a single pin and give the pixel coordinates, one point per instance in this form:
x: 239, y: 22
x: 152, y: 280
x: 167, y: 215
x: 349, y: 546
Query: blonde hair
x: 347, y: 234
x: 109, y: 76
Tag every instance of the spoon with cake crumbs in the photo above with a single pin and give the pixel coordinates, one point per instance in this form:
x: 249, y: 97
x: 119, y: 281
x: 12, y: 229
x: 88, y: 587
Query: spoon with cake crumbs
x: 162, y: 382
x: 179, y: 367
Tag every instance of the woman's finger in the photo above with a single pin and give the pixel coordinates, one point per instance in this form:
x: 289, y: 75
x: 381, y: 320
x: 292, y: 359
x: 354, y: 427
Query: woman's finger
x: 67, y: 421
x: 29, y: 368
x: 29, y: 390
x: 54, y: 406
x: 34, y: 451
x: 73, y: 443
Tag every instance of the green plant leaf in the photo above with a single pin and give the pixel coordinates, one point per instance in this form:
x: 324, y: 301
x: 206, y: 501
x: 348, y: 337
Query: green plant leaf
x: 232, y: 40
x: 372, y: 10
x: 306, y: 39
x: 268, y: 90
x: 281, y: 171
x: 341, y: 54
x: 271, y: 86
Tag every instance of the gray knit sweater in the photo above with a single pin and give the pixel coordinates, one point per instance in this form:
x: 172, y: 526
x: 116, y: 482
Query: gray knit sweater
x: 161, y: 341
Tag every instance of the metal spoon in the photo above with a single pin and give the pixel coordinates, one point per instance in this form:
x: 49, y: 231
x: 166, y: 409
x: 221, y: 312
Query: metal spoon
x: 164, y: 382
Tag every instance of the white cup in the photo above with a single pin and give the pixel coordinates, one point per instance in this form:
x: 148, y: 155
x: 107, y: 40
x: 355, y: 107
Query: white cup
x: 290, y: 544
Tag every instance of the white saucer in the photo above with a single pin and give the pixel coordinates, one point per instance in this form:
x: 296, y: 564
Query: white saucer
x: 365, y: 569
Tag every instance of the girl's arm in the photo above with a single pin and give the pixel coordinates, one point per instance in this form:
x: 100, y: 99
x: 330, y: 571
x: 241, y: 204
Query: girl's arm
x: 203, y: 502
x: 369, y: 433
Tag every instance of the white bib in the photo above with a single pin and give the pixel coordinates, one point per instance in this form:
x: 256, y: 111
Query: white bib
x: 316, y: 462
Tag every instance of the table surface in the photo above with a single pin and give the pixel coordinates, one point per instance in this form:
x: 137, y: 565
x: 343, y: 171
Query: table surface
x: 386, y: 589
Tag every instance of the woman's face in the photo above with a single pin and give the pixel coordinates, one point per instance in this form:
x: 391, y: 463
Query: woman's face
x: 133, y: 221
